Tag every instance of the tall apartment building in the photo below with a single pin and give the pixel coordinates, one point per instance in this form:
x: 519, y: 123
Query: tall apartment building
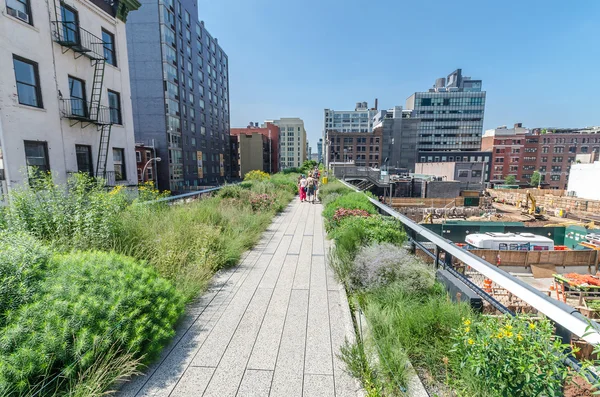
x: 451, y: 114
x: 358, y: 120
x: 320, y: 150
x: 292, y: 148
x: 271, y: 132
x: 180, y: 93
x: 520, y: 152
x: 64, y: 93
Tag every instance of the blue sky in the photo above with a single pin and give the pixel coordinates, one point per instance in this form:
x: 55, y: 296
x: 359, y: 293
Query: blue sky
x: 539, y: 60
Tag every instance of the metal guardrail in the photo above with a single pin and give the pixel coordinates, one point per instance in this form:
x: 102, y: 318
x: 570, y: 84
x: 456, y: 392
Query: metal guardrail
x: 71, y: 35
x: 79, y: 109
x: 562, y: 314
x: 184, y: 196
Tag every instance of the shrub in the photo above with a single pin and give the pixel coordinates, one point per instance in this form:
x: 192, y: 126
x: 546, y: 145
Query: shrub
x: 407, y: 325
x: 261, y: 202
x: 351, y: 201
x: 234, y: 191
x: 89, y: 304
x: 354, y: 232
x: 286, y: 182
x: 343, y: 213
x: 79, y: 215
x: 335, y: 188
x: 380, y: 264
x: 510, y: 356
x: 23, y: 265
x: 148, y: 192
x: 257, y: 175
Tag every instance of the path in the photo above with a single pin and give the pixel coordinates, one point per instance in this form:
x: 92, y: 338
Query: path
x: 271, y: 326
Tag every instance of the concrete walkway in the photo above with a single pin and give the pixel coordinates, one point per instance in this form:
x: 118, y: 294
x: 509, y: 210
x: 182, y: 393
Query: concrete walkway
x: 271, y: 326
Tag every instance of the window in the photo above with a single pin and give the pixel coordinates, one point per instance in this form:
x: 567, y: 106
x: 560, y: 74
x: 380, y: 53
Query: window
x: 84, y: 159
x: 109, y: 47
x: 20, y: 9
x: 114, y: 107
x: 138, y: 156
x: 36, y: 156
x: 463, y: 173
x: 77, y: 93
x: 476, y: 173
x: 28, y: 82
x: 119, y: 164
x: 187, y: 18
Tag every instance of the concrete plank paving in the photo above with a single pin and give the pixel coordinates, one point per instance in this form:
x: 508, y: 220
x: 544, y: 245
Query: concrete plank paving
x: 271, y: 326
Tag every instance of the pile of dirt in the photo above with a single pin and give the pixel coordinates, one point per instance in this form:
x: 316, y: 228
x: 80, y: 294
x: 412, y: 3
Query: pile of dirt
x: 579, y: 387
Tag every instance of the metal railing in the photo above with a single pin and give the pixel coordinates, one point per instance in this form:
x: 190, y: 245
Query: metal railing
x: 79, y: 109
x: 71, y: 35
x: 191, y: 195
x: 567, y: 319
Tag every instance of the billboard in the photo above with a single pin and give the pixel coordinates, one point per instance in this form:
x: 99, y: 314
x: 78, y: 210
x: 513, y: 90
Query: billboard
x: 199, y: 160
x: 222, y: 164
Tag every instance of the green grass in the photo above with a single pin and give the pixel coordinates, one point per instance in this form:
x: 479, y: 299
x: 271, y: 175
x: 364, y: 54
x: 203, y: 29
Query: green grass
x: 74, y: 322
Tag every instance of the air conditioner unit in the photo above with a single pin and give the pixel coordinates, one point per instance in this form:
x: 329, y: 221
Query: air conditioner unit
x: 18, y: 14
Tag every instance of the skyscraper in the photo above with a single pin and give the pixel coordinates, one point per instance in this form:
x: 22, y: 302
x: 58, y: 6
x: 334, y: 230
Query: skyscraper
x: 180, y: 93
x: 292, y: 141
x: 451, y: 114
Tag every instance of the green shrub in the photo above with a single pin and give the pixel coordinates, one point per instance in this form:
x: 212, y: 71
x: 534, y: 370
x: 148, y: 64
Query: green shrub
x: 89, y: 303
x: 333, y: 188
x: 380, y: 264
x: 79, y: 215
x: 350, y: 201
x: 257, y: 175
x: 286, y: 182
x: 23, y: 265
x: 355, y: 232
x: 407, y: 325
x: 510, y: 356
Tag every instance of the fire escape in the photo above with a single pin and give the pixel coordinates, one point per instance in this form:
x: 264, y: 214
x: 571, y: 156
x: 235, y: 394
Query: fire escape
x: 71, y: 36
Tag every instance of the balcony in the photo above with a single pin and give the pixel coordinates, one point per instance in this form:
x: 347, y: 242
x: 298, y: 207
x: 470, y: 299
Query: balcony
x: 79, y: 110
x: 71, y: 36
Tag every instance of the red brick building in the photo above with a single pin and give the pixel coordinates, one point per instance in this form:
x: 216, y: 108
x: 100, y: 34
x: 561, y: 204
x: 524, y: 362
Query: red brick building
x: 520, y: 152
x: 362, y: 148
x: 271, y: 131
x: 144, y: 153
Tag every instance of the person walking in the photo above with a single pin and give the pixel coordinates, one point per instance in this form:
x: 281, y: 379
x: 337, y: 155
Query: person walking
x: 310, y: 184
x: 303, y: 183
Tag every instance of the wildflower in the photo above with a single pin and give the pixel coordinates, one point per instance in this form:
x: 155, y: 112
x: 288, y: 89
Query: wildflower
x: 531, y: 326
x: 470, y: 341
x: 500, y: 335
x: 467, y: 329
x: 508, y: 334
x: 467, y: 322
x: 445, y: 360
x: 519, y: 337
x: 508, y: 327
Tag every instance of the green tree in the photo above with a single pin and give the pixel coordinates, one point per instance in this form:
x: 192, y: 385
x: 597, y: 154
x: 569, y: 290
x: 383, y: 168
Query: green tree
x: 510, y: 180
x: 536, y: 178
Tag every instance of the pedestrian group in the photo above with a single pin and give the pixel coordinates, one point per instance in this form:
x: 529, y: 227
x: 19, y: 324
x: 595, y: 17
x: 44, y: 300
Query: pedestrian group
x: 309, y: 187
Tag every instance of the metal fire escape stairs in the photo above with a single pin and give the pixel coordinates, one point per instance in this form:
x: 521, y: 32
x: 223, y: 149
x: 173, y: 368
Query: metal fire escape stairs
x: 70, y: 36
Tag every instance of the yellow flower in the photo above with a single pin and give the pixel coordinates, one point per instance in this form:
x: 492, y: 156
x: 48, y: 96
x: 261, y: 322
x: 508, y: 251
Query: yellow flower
x: 467, y: 329
x: 508, y: 334
x: 467, y: 322
x: 519, y: 337
x: 508, y: 327
x: 470, y: 341
x: 500, y: 335
x: 531, y: 326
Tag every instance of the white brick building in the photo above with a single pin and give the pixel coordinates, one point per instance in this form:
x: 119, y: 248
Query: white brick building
x: 65, y: 102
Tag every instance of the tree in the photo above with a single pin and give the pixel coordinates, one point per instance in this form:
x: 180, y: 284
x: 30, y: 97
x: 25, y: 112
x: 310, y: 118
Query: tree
x: 510, y: 180
x: 536, y: 178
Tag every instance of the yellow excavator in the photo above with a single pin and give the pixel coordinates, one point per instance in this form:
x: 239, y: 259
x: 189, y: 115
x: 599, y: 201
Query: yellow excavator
x: 532, y: 210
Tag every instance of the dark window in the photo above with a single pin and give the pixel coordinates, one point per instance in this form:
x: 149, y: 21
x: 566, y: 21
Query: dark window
x: 119, y: 164
x: 70, y: 24
x: 109, y: 47
x: 77, y: 93
x: 36, y: 156
x: 19, y: 9
x: 425, y: 101
x: 114, y: 106
x: 84, y: 159
x: 28, y: 82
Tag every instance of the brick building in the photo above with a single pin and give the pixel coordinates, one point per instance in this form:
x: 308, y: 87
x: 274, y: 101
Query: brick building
x: 520, y: 152
x: 143, y: 154
x: 361, y: 148
x: 271, y: 132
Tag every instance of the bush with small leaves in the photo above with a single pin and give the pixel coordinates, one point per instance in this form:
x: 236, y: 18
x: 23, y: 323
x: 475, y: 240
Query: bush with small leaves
x: 379, y: 264
x: 257, y: 175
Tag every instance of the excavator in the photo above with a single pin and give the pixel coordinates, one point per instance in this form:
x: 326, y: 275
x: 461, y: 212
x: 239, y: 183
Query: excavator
x: 532, y: 210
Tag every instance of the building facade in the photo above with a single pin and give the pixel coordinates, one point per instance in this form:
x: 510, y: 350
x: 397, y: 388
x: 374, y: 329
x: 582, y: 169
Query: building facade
x: 520, y: 152
x: 292, y: 139
x: 362, y: 149
x: 399, y: 138
x: 451, y: 114
x: 271, y: 132
x: 471, y: 175
x: 320, y: 151
x: 180, y: 85
x: 64, y: 96
x: 581, y: 181
x: 482, y: 157
x: 145, y: 159
x: 253, y: 151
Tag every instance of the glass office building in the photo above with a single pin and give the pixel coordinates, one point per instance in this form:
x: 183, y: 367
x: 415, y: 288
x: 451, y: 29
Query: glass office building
x: 451, y: 114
